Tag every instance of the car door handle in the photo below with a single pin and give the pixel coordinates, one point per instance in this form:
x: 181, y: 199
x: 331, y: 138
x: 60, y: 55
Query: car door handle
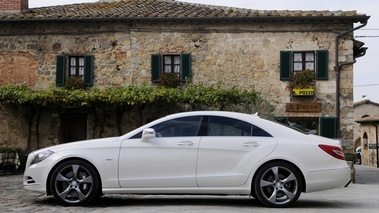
x: 185, y: 143
x: 251, y: 144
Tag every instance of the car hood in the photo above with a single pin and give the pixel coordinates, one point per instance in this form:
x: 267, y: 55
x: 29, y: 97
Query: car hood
x: 79, y: 144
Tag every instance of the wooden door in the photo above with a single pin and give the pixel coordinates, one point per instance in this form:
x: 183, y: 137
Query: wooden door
x: 74, y: 127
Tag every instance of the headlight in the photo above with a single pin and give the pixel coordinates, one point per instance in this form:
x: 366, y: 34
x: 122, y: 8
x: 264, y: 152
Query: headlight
x: 41, y: 156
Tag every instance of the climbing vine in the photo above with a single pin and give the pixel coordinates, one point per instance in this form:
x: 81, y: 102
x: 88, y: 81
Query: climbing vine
x: 149, y: 102
x: 196, y: 96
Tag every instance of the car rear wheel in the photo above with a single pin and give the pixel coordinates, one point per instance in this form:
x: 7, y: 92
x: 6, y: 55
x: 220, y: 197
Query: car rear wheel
x: 74, y: 183
x: 277, y: 184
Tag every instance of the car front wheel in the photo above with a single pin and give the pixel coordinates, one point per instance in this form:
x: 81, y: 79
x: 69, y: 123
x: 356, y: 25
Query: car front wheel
x: 74, y: 183
x: 277, y: 184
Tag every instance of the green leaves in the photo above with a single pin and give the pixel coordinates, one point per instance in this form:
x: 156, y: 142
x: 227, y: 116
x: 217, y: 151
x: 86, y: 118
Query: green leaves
x: 301, y: 79
x: 193, y: 95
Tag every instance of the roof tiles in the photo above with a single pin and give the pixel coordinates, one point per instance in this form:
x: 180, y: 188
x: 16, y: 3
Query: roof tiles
x: 159, y: 9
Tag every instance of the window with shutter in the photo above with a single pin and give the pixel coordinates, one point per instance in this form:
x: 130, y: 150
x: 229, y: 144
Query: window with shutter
x: 177, y: 64
x: 76, y: 67
x: 291, y: 62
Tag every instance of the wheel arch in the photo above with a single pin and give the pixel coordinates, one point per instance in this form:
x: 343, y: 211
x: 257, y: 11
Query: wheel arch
x: 48, y: 189
x: 285, y: 161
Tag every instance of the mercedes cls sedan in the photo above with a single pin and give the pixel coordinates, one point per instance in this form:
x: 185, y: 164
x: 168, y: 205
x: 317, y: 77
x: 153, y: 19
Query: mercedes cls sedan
x: 201, y: 153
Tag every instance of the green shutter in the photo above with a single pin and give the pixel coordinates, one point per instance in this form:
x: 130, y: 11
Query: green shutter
x: 88, y: 70
x: 328, y: 127
x: 322, y: 64
x: 285, y: 65
x: 60, y: 70
x: 156, y: 67
x: 185, y: 66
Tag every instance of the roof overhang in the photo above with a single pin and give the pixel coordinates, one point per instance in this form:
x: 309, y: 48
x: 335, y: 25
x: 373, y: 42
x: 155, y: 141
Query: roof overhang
x: 352, y: 19
x: 369, y: 120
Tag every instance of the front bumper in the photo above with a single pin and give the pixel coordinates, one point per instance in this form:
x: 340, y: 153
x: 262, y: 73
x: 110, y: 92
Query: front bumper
x: 36, y: 175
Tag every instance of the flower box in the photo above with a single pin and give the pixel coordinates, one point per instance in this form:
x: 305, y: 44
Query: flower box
x: 302, y: 83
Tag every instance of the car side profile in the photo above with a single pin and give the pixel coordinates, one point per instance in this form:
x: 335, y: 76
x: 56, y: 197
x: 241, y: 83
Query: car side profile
x: 201, y: 153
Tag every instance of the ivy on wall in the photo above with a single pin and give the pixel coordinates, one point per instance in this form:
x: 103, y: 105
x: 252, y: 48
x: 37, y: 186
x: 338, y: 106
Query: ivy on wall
x: 158, y: 101
x: 194, y: 95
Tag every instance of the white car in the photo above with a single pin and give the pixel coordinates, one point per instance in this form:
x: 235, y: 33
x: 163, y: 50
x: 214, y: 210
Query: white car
x: 204, y: 153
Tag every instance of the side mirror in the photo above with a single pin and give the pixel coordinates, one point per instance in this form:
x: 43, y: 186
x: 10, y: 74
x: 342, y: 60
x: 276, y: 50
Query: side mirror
x: 147, y: 134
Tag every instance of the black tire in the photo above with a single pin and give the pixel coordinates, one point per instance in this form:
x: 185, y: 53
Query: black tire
x: 277, y: 184
x: 75, y: 183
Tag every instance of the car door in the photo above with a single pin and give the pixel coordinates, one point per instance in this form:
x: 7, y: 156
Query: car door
x: 168, y: 160
x: 229, y: 151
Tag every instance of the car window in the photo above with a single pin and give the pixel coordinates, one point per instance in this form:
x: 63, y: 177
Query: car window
x: 259, y: 132
x: 180, y: 127
x: 222, y: 126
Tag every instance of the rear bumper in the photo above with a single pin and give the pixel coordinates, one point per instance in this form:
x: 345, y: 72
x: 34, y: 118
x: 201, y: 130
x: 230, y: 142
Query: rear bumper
x: 318, y: 180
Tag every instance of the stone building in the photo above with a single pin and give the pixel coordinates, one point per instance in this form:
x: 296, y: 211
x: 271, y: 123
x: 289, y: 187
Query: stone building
x: 369, y: 140
x: 366, y: 115
x: 124, y: 42
x: 363, y: 109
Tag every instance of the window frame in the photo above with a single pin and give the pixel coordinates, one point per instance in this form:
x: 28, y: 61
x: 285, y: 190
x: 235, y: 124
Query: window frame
x: 304, y: 60
x: 174, y: 64
x: 157, y: 66
x: 327, y: 126
x: 320, y: 65
x: 78, y: 66
x: 63, y: 69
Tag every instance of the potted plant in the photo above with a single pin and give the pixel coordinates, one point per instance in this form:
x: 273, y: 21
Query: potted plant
x: 169, y: 80
x: 74, y: 82
x: 302, y: 83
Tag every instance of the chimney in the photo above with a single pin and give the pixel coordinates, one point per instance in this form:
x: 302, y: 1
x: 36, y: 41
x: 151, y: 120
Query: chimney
x: 13, y: 6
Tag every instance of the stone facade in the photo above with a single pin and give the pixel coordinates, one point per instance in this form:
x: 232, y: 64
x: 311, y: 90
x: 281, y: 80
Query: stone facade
x: 369, y: 140
x: 366, y: 114
x: 242, y: 54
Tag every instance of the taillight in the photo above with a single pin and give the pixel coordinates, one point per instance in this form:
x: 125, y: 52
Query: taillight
x: 334, y: 151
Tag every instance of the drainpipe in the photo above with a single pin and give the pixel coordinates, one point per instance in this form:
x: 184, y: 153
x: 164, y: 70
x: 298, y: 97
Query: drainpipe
x: 337, y: 70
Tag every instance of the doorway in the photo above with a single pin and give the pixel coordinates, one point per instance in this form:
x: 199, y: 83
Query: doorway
x: 74, y: 127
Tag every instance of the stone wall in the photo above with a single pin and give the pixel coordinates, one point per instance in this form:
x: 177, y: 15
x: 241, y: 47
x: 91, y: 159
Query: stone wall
x: 368, y: 155
x: 243, y: 55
